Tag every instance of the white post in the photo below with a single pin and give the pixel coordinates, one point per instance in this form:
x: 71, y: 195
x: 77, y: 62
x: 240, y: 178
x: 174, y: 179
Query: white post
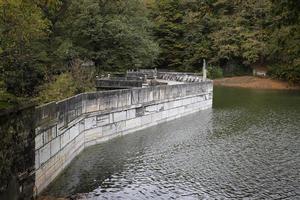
x: 204, y: 70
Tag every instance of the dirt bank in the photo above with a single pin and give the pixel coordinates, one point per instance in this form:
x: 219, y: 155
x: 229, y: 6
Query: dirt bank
x: 255, y: 83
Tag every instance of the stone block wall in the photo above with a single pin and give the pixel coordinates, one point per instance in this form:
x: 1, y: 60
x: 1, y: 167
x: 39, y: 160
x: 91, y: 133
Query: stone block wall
x: 65, y: 128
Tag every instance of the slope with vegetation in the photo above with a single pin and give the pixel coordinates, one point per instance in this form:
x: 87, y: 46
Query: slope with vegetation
x: 232, y: 34
x: 45, y: 44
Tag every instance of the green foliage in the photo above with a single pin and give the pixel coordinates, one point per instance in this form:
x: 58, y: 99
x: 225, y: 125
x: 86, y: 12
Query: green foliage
x: 41, y: 41
x: 236, y: 69
x: 234, y: 35
x: 284, y: 41
x: 214, y: 72
x: 84, y: 77
x: 241, y: 30
x: 6, y: 98
x: 198, y: 25
x: 219, y: 30
x: 115, y: 34
x: 62, y: 87
x: 290, y: 73
x: 21, y: 25
x: 17, y: 147
x: 169, y: 29
x: 78, y: 80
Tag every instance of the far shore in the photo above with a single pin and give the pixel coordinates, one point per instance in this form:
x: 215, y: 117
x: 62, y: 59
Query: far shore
x: 255, y: 83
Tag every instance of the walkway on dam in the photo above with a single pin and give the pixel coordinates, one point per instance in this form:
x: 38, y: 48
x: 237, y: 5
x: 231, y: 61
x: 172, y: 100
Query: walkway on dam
x: 170, y: 82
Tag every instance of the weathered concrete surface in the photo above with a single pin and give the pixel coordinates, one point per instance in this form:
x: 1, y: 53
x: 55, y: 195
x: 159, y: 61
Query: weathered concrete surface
x: 65, y: 128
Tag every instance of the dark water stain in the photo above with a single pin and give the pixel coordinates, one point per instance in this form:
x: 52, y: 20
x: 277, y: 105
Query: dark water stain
x: 246, y: 147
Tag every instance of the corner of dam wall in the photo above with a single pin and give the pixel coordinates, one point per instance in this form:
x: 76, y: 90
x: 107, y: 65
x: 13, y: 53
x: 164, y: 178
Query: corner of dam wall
x: 65, y: 128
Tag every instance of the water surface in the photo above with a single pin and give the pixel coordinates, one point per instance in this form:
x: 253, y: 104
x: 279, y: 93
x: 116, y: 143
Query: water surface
x: 246, y: 147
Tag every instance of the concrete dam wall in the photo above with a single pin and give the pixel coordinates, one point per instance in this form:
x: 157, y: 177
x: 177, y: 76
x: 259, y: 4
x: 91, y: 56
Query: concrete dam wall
x: 65, y: 128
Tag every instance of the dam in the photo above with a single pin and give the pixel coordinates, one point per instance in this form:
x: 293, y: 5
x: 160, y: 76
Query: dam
x: 64, y: 129
x: 245, y: 147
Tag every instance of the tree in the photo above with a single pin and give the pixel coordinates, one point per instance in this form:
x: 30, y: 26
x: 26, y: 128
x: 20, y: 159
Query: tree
x: 21, y: 26
x: 198, y: 26
x: 114, y: 34
x: 169, y: 30
x: 241, y: 32
x: 284, y: 41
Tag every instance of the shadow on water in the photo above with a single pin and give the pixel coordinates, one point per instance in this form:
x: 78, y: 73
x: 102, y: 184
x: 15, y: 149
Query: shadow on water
x: 247, y: 146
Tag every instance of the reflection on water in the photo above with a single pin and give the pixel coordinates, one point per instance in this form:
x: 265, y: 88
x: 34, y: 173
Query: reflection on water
x: 247, y: 146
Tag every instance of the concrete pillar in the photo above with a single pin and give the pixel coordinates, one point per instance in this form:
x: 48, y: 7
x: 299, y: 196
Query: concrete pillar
x: 204, y: 70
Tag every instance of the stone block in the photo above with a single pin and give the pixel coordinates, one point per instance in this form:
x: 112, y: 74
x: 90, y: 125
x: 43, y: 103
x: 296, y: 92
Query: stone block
x: 172, y: 112
x: 81, y: 126
x: 146, y: 119
x: 162, y: 92
x: 103, y: 102
x: 123, y: 98
x: 113, y: 101
x: 37, y: 160
x: 109, y: 129
x: 177, y: 103
x: 93, y: 134
x: 65, y: 138
x: 130, y: 114
x: 49, y: 134
x: 134, y: 96
x: 74, y: 131
x: 133, y: 123
x: 164, y: 114
x: 156, y: 116
x: 91, y: 105
x: 169, y: 105
x: 119, y: 116
x: 44, y: 153
x: 102, y: 120
x: 156, y: 93
x: 120, y: 126
x: 38, y: 141
x: 151, y: 109
x: 55, y: 146
x: 185, y: 101
x: 150, y: 95
x: 90, y: 123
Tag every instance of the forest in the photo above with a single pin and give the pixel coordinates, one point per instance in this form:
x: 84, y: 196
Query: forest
x: 52, y: 49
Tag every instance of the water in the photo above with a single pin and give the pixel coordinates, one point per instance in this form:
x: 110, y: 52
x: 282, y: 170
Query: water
x: 246, y: 147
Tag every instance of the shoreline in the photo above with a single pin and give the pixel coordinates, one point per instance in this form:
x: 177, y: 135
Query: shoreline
x: 253, y: 82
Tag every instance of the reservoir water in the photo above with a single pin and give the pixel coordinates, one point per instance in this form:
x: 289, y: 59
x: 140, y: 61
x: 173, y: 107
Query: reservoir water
x: 246, y: 147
